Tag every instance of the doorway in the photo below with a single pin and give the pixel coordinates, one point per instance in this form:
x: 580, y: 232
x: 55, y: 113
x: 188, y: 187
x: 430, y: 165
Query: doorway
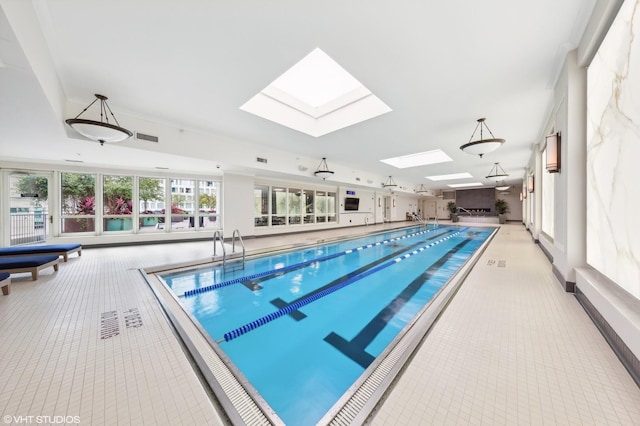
x: 28, y: 207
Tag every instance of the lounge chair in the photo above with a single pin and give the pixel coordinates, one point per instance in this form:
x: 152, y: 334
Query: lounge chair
x: 5, y: 283
x: 33, y: 264
x: 63, y: 250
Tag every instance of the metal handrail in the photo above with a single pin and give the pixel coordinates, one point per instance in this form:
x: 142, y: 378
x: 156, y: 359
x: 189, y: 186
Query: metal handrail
x: 218, y: 234
x: 233, y: 244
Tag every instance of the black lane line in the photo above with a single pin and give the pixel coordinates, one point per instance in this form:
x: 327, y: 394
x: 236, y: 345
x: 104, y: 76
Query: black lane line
x: 356, y: 348
x: 297, y: 315
x: 254, y: 284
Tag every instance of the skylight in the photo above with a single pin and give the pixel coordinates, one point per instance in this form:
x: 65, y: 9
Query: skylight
x: 419, y: 159
x: 452, y: 176
x: 316, y: 96
x: 463, y: 185
x: 329, y: 81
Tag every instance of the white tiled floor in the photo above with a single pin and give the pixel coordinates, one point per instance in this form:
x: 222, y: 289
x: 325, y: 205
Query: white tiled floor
x: 512, y: 348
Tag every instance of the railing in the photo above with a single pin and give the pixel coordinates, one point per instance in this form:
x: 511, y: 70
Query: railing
x: 218, y: 236
x: 233, y: 245
x: 417, y: 217
x: 28, y: 228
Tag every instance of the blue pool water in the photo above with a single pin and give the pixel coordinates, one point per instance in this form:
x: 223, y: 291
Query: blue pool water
x: 303, y: 326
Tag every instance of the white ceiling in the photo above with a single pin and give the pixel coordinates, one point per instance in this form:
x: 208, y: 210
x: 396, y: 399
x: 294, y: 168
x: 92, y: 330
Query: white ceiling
x: 189, y: 65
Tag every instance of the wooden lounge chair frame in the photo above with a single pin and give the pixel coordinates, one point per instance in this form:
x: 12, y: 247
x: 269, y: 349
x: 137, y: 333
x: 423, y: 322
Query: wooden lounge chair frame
x: 34, y: 270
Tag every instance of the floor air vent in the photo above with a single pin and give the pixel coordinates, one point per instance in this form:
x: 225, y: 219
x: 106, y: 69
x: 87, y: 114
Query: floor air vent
x: 144, y: 137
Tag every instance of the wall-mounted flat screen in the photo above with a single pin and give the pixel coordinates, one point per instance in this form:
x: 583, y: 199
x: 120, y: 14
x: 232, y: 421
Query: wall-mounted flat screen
x: 351, y: 203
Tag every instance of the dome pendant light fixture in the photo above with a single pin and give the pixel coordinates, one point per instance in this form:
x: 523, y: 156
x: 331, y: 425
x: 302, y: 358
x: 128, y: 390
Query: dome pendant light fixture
x: 502, y: 186
x: 389, y: 183
x: 482, y: 146
x: 323, y: 170
x: 100, y: 131
x: 422, y: 189
x: 496, y: 172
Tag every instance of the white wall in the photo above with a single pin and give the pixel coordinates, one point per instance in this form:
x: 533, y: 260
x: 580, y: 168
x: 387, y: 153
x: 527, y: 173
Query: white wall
x: 237, y: 207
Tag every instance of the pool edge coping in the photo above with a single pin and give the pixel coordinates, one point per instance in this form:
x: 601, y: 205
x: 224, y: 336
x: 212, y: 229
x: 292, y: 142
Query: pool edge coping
x: 212, y: 362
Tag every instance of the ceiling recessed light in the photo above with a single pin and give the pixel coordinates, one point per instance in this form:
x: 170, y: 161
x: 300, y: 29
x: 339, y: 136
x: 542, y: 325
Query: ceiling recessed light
x: 462, y: 185
x: 419, y: 159
x: 452, y: 176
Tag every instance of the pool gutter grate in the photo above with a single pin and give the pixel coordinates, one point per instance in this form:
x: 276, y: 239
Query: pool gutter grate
x: 109, y: 325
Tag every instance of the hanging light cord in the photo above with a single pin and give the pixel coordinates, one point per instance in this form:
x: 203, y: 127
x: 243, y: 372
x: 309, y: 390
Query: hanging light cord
x: 104, y: 107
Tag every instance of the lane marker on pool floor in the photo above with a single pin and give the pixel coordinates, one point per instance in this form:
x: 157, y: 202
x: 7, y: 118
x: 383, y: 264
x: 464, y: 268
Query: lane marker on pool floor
x: 307, y: 300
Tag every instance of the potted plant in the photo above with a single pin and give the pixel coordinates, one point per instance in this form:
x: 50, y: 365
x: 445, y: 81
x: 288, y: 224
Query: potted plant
x: 453, y: 209
x: 502, y: 208
x: 119, y: 207
x: 84, y: 206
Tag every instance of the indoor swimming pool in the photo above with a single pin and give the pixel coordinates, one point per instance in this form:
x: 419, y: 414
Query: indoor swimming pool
x: 302, y: 327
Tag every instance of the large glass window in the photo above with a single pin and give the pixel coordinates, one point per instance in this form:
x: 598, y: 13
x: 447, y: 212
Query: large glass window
x: 331, y: 206
x: 321, y: 206
x: 278, y: 206
x: 261, y: 205
x: 78, y: 196
x: 117, y: 200
x: 182, y: 204
x: 309, y: 217
x: 208, y: 196
x: 295, y: 203
x: 151, y: 195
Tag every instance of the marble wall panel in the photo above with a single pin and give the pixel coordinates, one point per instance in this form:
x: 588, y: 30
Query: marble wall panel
x: 613, y: 152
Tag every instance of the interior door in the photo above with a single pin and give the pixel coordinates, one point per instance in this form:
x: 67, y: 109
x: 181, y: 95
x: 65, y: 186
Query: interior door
x: 28, y: 207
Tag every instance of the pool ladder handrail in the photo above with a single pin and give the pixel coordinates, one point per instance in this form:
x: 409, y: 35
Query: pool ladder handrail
x: 217, y: 235
x: 233, y: 245
x: 417, y: 217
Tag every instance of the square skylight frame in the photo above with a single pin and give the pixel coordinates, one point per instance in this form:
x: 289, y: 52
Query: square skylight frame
x: 316, y: 96
x: 465, y: 185
x: 452, y: 176
x: 425, y: 158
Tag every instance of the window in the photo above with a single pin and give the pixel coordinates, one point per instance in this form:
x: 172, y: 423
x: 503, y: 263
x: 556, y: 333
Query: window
x: 78, y: 196
x: 295, y: 202
x: 331, y: 206
x: 308, y: 206
x: 181, y: 206
x: 208, y: 209
x: 278, y: 206
x: 117, y: 196
x: 261, y: 205
x: 151, y: 195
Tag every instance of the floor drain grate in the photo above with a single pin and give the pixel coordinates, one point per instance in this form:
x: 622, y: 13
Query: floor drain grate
x: 109, y: 326
x: 132, y: 318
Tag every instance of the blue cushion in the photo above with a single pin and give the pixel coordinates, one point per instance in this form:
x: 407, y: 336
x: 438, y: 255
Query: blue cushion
x: 4, y: 275
x: 51, y: 248
x: 26, y: 262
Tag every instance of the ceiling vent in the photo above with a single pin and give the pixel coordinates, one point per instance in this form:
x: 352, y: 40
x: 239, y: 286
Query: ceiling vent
x: 144, y: 137
x: 449, y: 195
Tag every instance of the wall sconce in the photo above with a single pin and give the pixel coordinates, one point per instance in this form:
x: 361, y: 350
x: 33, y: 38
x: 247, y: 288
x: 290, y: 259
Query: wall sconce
x: 530, y: 183
x: 553, y: 153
